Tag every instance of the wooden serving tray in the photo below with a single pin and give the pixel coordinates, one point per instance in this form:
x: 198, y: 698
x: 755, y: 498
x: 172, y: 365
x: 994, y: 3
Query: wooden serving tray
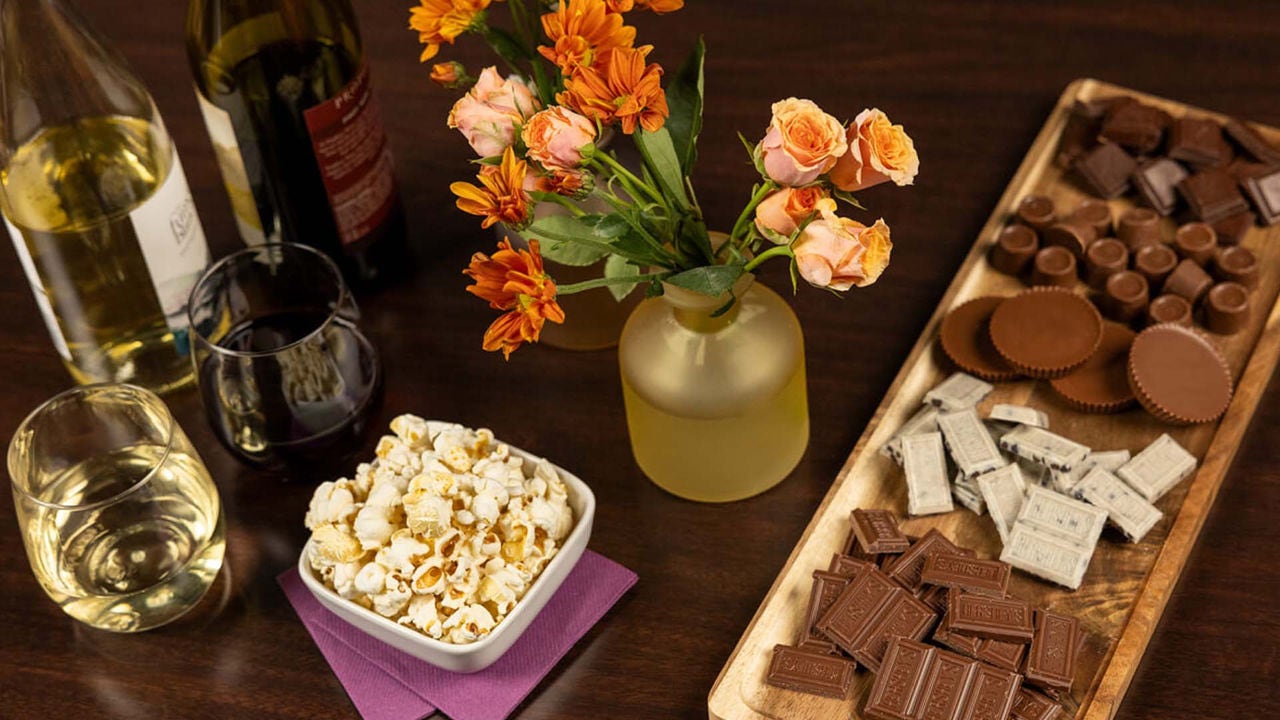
x: 1127, y: 585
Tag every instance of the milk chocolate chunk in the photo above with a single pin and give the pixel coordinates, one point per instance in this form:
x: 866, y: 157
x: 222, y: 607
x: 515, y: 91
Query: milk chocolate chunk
x: 1137, y: 127
x: 1006, y: 655
x: 1179, y: 376
x: 1226, y: 308
x: 1046, y: 332
x: 965, y: 339
x: 1232, y: 229
x: 1157, y: 183
x: 981, y: 577
x: 1189, y: 280
x: 1212, y: 195
x: 1007, y: 619
x: 878, y: 532
x: 1031, y: 705
x: 848, y: 566
x: 1139, y: 227
x: 1264, y: 192
x: 1103, y: 258
x: 1054, y: 266
x: 909, y: 566
x: 1249, y: 141
x: 1169, y: 309
x: 1126, y: 296
x: 810, y: 672
x: 895, y: 694
x: 1106, y: 169
x: 1051, y: 662
x: 920, y: 682
x: 1236, y: 264
x: 1093, y: 212
x: 827, y: 587
x: 870, y: 611
x: 1036, y: 211
x: 1198, y: 141
x: 1072, y: 236
x: 1196, y: 241
x: 1014, y: 249
x: 1155, y: 263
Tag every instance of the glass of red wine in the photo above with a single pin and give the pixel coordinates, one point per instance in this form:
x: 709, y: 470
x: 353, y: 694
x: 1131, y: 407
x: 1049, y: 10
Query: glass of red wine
x: 288, y: 381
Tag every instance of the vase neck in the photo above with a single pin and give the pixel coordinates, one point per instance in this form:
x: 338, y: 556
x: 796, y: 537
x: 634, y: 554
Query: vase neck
x: 697, y: 312
x: 699, y: 320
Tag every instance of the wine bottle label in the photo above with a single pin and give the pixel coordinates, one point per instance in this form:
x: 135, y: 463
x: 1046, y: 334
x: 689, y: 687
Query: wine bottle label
x: 234, y: 174
x: 38, y: 289
x: 173, y: 245
x: 355, y: 162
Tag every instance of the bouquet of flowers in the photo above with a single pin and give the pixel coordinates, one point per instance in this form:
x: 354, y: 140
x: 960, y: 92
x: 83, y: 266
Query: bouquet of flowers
x: 575, y: 73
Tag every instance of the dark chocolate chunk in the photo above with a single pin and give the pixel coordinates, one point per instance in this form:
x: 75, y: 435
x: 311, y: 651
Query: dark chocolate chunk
x: 1198, y: 141
x: 878, y: 532
x: 1135, y: 126
x: 982, y: 577
x: 1264, y: 191
x: 1106, y: 170
x: 1231, y: 230
x: 1212, y: 195
x: 1007, y: 619
x: 1248, y: 140
x: 1081, y: 132
x: 1051, y: 662
x: 1157, y: 183
x: 810, y: 672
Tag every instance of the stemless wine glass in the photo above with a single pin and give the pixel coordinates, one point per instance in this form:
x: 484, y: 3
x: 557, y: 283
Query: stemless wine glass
x: 288, y: 380
x: 122, y: 523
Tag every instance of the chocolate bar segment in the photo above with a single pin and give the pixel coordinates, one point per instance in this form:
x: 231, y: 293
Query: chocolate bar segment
x: 849, y: 566
x: 878, y: 532
x: 982, y: 577
x: 1106, y: 170
x: 991, y: 694
x: 909, y: 565
x: 896, y: 691
x: 1006, y: 655
x: 905, y: 616
x: 1212, y: 195
x: 1051, y: 663
x: 1264, y: 191
x: 810, y: 672
x: 827, y: 587
x: 1007, y: 619
x: 1031, y: 705
x: 919, y: 682
x: 1248, y: 140
x: 1198, y: 141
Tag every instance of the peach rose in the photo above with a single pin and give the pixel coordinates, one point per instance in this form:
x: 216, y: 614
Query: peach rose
x: 489, y: 113
x: 878, y: 152
x: 556, y: 137
x: 802, y: 142
x: 839, y: 253
x: 780, y: 214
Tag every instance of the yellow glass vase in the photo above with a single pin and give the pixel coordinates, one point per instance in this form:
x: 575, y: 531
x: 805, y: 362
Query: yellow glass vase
x: 717, y: 407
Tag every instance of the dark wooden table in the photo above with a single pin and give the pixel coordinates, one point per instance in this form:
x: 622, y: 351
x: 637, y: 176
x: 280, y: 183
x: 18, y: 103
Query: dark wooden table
x: 971, y: 80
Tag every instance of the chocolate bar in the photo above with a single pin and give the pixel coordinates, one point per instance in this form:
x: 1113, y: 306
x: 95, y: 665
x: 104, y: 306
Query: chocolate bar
x: 1161, y: 465
x: 852, y: 549
x: 1212, y: 195
x: 810, y: 672
x: 909, y: 565
x: 1007, y: 619
x: 1264, y: 191
x: 1044, y: 447
x: 919, y: 681
x: 1019, y: 415
x: 1051, y: 662
x: 969, y: 442
x: 1198, y: 141
x: 1071, y: 520
x: 1031, y: 705
x: 1106, y: 170
x: 826, y: 589
x: 872, y: 609
x: 1045, y: 555
x: 980, y: 577
x: 958, y: 392
x: 928, y: 492
x: 1248, y: 140
x: 1157, y: 183
x: 1125, y: 508
x: 878, y: 532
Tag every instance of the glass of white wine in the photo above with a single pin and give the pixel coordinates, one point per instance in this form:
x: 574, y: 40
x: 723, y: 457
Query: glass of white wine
x: 122, y: 523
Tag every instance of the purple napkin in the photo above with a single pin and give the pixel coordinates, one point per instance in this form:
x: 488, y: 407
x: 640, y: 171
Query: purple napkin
x: 386, y: 684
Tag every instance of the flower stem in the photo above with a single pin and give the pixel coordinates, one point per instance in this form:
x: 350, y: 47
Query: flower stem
x: 761, y: 193
x: 631, y: 179
x: 605, y: 282
x: 777, y: 251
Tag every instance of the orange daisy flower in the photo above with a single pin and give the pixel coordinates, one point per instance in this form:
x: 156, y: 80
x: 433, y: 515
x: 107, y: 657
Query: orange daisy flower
x: 625, y: 90
x: 660, y: 6
x: 514, y: 281
x: 500, y: 197
x: 582, y: 31
x: 442, y: 21
x: 620, y: 6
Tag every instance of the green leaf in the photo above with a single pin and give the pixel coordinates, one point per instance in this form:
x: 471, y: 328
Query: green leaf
x: 684, y: 98
x: 709, y: 280
x: 847, y: 197
x: 618, y: 267
x: 757, y: 159
x: 574, y: 254
x: 660, y: 156
x: 573, y: 231
x: 653, y: 289
x: 607, y: 227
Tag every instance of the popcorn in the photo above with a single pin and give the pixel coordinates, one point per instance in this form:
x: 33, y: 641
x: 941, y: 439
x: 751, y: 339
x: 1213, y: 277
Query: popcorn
x: 442, y: 532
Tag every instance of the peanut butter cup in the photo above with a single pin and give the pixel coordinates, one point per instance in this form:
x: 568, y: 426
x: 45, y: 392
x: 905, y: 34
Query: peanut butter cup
x: 1101, y: 385
x: 1178, y: 375
x: 1046, y: 332
x: 966, y: 341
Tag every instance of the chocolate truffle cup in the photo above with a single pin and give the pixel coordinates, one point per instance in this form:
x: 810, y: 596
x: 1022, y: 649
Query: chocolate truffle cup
x: 1104, y: 258
x: 1189, y: 280
x: 1093, y: 212
x: 1014, y: 249
x: 1226, y: 308
x: 1036, y: 212
x: 1072, y: 236
x: 1236, y: 264
x: 1155, y: 263
x: 1055, y: 266
x: 1169, y: 309
x: 1139, y: 227
x: 1127, y: 294
x: 1197, y: 242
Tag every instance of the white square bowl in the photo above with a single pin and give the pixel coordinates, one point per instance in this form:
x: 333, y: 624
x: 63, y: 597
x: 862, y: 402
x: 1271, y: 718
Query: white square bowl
x: 476, y: 656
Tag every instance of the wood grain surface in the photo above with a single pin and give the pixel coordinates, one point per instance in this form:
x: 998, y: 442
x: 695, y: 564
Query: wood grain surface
x: 973, y: 81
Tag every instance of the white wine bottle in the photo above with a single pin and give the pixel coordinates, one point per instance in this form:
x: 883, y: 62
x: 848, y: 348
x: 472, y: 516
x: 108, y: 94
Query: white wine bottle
x: 288, y: 103
x: 95, y: 201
